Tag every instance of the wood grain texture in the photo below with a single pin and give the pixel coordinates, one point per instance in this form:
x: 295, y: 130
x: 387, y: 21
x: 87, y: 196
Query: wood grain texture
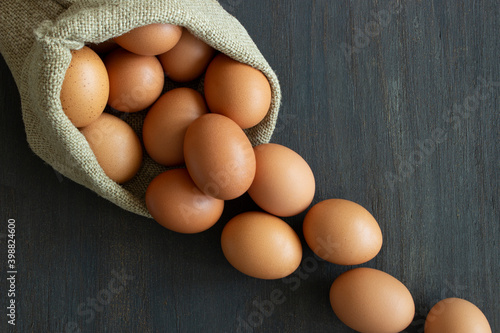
x: 404, y: 122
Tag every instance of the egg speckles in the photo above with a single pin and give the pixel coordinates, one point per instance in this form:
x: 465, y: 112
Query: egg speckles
x: 85, y: 89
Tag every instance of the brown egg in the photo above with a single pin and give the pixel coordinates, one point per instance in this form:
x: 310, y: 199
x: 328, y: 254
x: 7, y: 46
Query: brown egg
x: 166, y: 124
x: 261, y: 245
x: 284, y: 183
x: 85, y: 88
x: 135, y: 81
x: 237, y: 91
x: 369, y: 300
x: 219, y: 156
x: 188, y: 59
x: 116, y: 147
x: 152, y: 39
x: 342, y: 232
x: 176, y: 203
x: 456, y: 315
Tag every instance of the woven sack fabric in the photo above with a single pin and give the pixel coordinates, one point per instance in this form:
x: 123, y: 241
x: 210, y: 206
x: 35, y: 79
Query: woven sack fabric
x: 36, y: 37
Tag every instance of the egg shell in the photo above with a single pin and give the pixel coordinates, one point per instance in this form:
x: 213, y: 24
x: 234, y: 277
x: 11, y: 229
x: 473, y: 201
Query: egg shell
x: 166, y: 124
x: 261, y: 245
x: 188, y: 59
x: 151, y: 39
x: 284, y: 183
x: 342, y: 232
x: 369, y: 300
x: 175, y: 202
x: 135, y: 81
x: 237, y: 91
x: 116, y: 147
x: 456, y: 315
x: 219, y: 156
x: 85, y: 89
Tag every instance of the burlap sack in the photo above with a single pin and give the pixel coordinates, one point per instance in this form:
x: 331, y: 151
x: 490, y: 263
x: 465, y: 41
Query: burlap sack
x: 36, y: 37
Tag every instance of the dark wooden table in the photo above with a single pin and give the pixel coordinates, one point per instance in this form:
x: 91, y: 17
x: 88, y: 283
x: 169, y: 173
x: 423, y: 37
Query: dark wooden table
x: 394, y: 105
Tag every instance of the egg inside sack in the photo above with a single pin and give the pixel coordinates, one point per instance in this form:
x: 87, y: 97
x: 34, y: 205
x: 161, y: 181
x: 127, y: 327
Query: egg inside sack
x: 237, y: 91
x: 176, y: 203
x: 135, y: 81
x: 116, y: 147
x: 151, y: 39
x: 188, y: 59
x: 261, y: 245
x: 219, y: 156
x: 85, y: 89
x: 166, y: 124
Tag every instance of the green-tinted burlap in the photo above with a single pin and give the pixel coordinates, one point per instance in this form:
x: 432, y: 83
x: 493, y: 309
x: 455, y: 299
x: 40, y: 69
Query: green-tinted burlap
x: 36, y: 37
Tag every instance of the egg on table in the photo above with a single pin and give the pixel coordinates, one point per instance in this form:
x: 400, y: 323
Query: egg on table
x: 456, y: 315
x: 261, y: 245
x: 368, y: 300
x: 342, y: 232
x: 284, y: 183
x: 175, y: 202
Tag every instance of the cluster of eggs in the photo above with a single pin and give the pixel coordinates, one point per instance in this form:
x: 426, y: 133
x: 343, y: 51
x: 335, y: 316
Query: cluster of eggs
x: 206, y: 134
